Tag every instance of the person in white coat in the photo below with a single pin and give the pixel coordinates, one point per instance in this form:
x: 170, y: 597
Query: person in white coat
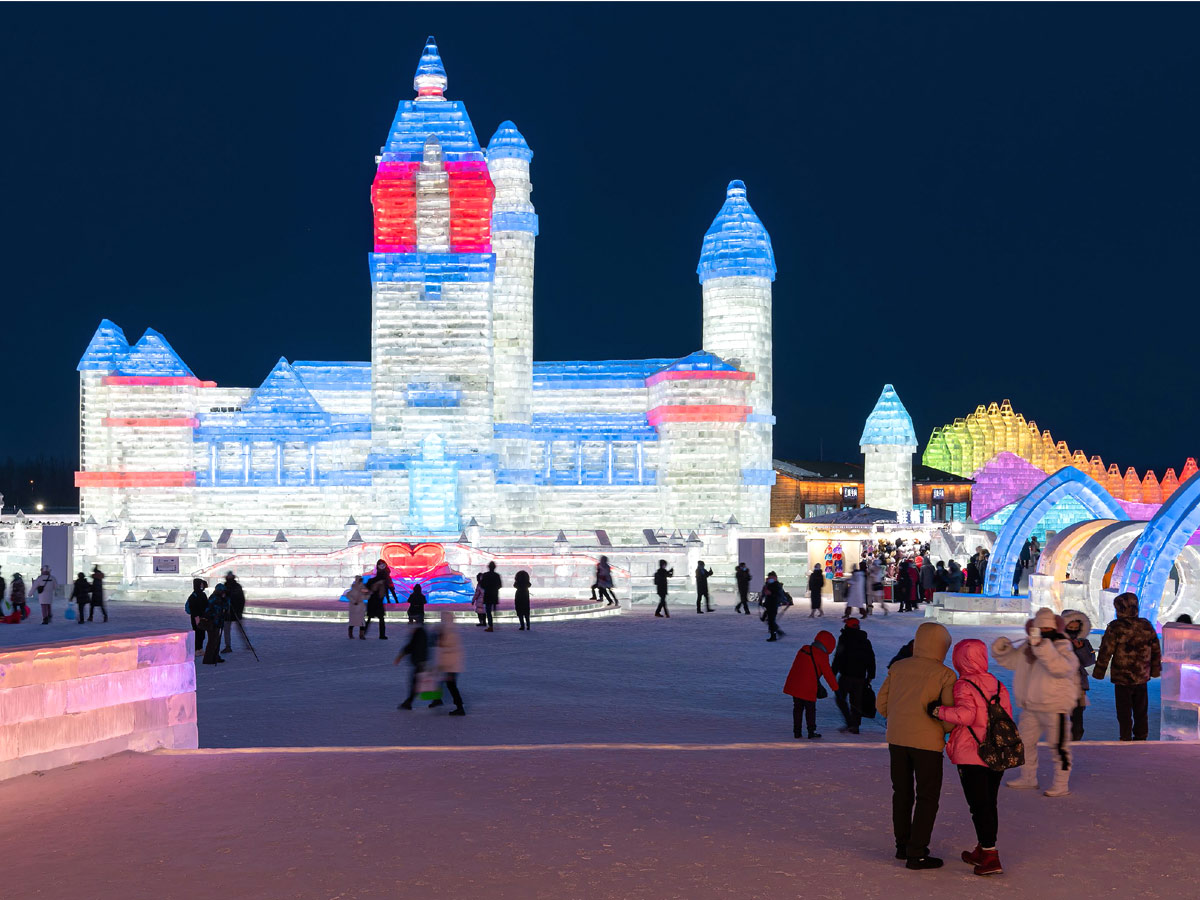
x: 449, y: 661
x: 356, y: 595
x: 856, y: 594
x: 1046, y: 687
x: 44, y: 588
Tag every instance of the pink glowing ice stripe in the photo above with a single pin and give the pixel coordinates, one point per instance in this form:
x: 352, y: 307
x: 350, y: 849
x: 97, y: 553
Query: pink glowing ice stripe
x: 709, y: 413
x: 687, y: 375
x: 158, y: 380
x: 152, y: 423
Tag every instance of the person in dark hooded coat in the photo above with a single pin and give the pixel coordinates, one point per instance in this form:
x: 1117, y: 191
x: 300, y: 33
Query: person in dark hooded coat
x: 380, y: 586
x: 81, y: 593
x: 197, y: 608
x: 417, y: 651
x: 804, y: 682
x: 1131, y: 644
x: 854, y: 668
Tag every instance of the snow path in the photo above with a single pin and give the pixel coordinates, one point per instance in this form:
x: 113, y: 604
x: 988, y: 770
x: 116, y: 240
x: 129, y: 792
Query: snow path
x: 577, y: 824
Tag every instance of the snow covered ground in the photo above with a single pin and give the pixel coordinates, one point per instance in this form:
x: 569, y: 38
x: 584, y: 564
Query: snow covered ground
x: 717, y: 801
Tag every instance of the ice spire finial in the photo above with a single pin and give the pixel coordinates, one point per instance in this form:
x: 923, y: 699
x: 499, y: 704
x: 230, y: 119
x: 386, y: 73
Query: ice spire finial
x: 430, y: 79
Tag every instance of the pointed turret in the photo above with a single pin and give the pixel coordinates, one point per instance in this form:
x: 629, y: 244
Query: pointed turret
x: 889, y: 422
x: 736, y: 243
x: 888, y: 442
x: 508, y: 143
x: 430, y: 79
x: 105, y: 350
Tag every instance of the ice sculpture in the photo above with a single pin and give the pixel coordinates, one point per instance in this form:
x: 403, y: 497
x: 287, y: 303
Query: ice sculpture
x: 888, y: 442
x: 1180, y: 683
x: 451, y: 419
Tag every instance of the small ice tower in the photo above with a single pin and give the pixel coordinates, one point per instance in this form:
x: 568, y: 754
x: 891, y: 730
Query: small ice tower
x: 888, y: 442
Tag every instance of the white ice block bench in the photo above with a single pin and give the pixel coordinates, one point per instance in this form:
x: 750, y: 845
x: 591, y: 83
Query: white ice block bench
x: 69, y: 701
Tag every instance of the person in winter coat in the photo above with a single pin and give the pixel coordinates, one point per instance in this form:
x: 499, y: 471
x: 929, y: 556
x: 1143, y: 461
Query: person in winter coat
x: 1025, y: 555
x: 940, y: 577
x: 973, y: 579
x: 926, y: 579
x: 477, y: 603
x: 875, y: 586
x: 914, y: 586
x: 1131, y: 645
x: 854, y: 668
x: 1046, y: 686
x: 985, y: 559
x: 450, y: 660
x: 604, y: 581
x: 521, y: 599
x: 356, y: 596
x: 491, y: 593
x: 1018, y: 571
x: 17, y: 598
x: 804, y: 680
x: 773, y: 596
x: 44, y: 587
x: 702, y: 576
x: 741, y: 575
x: 81, y: 593
x: 417, y: 650
x: 902, y: 589
x: 816, y: 582
x: 969, y: 716
x: 197, y: 608
x: 914, y: 687
x: 954, y: 578
x: 214, y: 619
x: 97, y: 598
x: 661, y: 574
x: 856, y: 594
x: 379, y: 586
x: 1077, y: 626
x: 236, y: 598
x: 416, y: 605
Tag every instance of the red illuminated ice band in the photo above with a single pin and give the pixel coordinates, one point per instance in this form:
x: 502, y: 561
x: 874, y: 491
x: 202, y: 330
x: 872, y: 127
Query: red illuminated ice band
x: 157, y: 380
x: 152, y: 423
x: 711, y: 413
x: 135, y: 479
x: 697, y: 374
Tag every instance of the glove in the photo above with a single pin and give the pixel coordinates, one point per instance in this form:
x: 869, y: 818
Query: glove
x: 932, y: 708
x: 1002, y: 645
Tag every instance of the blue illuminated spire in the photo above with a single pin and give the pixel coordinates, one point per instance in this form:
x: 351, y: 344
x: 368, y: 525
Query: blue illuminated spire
x: 106, y: 348
x: 736, y: 243
x: 282, y: 393
x: 889, y: 422
x: 430, y: 79
x: 508, y: 143
x: 153, y: 356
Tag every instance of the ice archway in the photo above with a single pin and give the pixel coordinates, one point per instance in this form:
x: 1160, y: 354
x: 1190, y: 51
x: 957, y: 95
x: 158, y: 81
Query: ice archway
x: 1145, y: 566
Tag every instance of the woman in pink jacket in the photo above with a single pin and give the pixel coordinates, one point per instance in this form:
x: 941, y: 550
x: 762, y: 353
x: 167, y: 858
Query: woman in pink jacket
x: 969, y: 714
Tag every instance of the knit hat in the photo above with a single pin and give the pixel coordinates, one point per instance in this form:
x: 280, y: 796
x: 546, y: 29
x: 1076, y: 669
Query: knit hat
x: 1045, y: 618
x: 852, y: 623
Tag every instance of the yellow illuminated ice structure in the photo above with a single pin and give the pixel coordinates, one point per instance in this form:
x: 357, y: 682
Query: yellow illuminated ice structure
x: 966, y: 445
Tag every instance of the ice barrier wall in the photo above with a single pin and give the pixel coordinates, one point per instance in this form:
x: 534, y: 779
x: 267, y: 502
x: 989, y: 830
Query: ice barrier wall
x: 71, y: 701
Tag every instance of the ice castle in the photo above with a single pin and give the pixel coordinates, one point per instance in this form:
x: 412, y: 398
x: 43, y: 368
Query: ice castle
x: 452, y: 419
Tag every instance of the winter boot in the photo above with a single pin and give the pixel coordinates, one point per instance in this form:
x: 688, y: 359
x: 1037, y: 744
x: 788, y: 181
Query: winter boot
x: 350, y: 632
x: 990, y: 864
x: 923, y: 862
x: 973, y: 857
x: 362, y: 632
x: 458, y: 711
x: 1024, y: 783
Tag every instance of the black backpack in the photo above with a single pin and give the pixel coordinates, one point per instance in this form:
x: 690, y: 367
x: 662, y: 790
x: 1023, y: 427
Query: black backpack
x: 1001, y: 747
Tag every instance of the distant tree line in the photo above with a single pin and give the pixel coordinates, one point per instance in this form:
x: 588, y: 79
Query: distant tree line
x: 47, y: 480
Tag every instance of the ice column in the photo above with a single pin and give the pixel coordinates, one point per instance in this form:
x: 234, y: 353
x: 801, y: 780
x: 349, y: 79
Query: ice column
x: 737, y: 266
x: 888, y: 443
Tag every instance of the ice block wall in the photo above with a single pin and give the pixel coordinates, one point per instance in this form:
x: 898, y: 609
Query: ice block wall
x: 72, y: 701
x: 1180, y: 683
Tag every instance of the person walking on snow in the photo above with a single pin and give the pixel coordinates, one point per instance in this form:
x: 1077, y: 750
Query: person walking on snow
x: 772, y: 596
x: 875, y: 586
x: 969, y: 715
x: 197, y: 607
x: 81, y: 593
x: 379, y: 586
x: 521, y: 599
x: 449, y: 662
x: 1078, y: 626
x: 417, y: 650
x: 236, y: 598
x: 214, y: 619
x: 816, y: 581
x: 1046, y: 687
x: 44, y: 586
x: 854, y: 668
x: 661, y: 574
x: 356, y: 596
x: 856, y: 594
x: 16, y: 597
x: 1131, y: 645
x: 702, y: 575
x: 925, y: 577
x: 741, y: 575
x: 97, y: 594
x: 804, y: 683
x: 604, y: 581
x: 914, y: 687
x: 491, y: 593
x: 477, y: 602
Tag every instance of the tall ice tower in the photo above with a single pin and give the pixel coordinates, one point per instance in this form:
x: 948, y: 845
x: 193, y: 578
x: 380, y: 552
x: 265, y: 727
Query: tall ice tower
x: 431, y: 329
x: 888, y: 443
x: 737, y: 266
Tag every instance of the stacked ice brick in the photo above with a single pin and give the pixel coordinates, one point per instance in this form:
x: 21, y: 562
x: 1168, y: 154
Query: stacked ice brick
x: 888, y: 443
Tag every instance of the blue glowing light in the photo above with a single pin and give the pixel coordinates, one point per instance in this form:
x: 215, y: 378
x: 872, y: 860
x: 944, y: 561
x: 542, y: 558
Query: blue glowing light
x: 106, y: 348
x: 736, y: 243
x: 889, y: 422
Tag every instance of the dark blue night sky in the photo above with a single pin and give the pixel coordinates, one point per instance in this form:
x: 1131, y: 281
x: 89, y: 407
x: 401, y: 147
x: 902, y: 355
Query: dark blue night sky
x: 972, y: 202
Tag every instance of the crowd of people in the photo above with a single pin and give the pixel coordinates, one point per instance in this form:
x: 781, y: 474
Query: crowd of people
x: 967, y: 713
x: 214, y: 616
x: 16, y: 597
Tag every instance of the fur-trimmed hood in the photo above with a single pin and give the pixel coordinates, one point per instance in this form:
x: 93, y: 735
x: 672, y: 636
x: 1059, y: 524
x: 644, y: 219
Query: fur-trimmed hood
x: 1074, y: 615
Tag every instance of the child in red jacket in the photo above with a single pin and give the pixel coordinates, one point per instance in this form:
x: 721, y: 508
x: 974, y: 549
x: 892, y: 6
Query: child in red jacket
x: 804, y: 682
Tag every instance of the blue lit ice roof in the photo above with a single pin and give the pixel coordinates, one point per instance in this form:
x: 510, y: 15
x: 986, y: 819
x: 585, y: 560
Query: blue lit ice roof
x: 153, y: 356
x: 736, y: 243
x: 889, y: 422
x: 106, y: 348
x: 508, y: 143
